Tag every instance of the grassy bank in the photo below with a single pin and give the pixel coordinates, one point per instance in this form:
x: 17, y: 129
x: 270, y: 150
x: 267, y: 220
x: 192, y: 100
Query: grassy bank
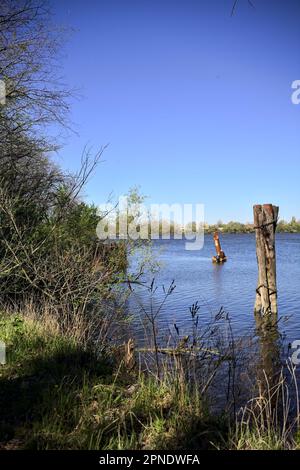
x: 57, y: 394
x: 54, y: 394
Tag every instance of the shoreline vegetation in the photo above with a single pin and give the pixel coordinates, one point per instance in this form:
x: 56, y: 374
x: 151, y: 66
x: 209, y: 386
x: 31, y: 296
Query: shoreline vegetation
x: 56, y: 392
x: 293, y: 226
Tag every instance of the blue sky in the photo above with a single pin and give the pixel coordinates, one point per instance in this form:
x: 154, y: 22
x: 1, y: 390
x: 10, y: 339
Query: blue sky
x: 195, y: 104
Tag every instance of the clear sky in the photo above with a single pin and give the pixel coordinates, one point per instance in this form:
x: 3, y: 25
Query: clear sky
x: 195, y: 104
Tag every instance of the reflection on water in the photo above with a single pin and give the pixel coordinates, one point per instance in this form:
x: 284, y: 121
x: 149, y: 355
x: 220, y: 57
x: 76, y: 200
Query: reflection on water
x: 269, y: 349
x: 259, y: 344
x: 231, y: 285
x: 217, y: 278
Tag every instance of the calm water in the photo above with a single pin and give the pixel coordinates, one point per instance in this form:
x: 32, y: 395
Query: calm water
x: 231, y: 285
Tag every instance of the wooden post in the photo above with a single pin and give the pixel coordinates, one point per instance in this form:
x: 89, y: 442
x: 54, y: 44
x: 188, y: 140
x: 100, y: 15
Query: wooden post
x: 265, y: 222
x: 217, y: 243
x: 221, y: 257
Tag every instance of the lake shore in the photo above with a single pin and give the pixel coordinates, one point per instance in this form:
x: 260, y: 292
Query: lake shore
x: 56, y: 394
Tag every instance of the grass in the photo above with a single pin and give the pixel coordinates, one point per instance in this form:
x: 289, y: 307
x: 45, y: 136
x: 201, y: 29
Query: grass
x: 267, y: 421
x: 55, y: 394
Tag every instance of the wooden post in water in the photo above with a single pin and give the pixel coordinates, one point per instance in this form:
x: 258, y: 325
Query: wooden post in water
x: 221, y: 257
x: 265, y: 223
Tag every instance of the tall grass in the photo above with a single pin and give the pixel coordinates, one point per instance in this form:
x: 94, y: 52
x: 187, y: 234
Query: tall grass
x: 58, y: 392
x: 269, y: 421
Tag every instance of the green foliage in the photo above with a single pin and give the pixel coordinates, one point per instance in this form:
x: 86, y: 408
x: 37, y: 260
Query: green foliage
x: 56, y: 395
x: 72, y: 222
x: 48, y: 247
x: 236, y: 227
x: 290, y: 227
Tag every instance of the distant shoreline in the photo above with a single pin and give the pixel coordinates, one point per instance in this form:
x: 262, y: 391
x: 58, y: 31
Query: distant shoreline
x: 236, y: 227
x: 248, y: 230
x: 231, y: 227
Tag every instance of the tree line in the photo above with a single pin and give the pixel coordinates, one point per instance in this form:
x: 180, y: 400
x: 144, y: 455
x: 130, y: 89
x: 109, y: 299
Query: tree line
x: 48, y: 244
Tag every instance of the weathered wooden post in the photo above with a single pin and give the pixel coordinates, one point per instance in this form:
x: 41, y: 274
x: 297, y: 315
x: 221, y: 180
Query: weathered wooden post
x: 265, y: 223
x: 221, y: 257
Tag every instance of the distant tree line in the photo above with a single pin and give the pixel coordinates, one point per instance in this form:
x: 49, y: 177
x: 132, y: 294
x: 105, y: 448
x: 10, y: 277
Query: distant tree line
x: 237, y: 227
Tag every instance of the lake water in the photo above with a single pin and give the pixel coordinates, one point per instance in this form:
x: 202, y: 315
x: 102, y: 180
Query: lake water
x: 231, y: 285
